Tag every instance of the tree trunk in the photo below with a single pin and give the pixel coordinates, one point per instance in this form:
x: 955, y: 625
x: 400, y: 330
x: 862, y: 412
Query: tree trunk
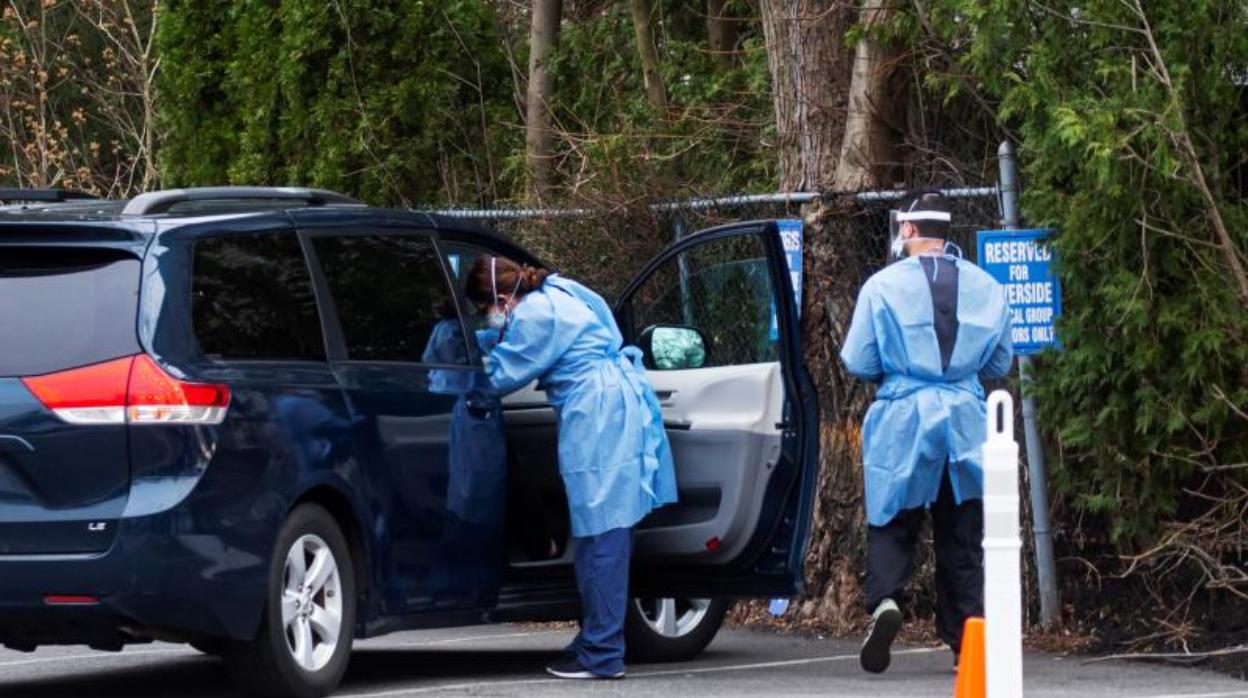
x: 867, y: 152
x: 811, y: 75
x: 836, y: 264
x: 655, y: 91
x: 721, y: 33
x: 538, y: 135
x: 810, y: 78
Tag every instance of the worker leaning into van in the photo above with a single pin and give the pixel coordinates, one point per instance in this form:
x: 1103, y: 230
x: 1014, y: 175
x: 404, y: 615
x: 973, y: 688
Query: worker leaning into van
x: 926, y: 329
x: 614, y: 455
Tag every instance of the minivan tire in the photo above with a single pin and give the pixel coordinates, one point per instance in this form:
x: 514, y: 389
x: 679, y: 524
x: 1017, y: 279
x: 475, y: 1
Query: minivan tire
x: 645, y: 643
x: 266, y: 666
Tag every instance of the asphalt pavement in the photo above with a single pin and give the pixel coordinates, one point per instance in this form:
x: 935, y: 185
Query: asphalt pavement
x: 507, y: 661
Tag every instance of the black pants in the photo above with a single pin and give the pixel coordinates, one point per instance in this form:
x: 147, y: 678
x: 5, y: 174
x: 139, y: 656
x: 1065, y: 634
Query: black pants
x: 958, y: 531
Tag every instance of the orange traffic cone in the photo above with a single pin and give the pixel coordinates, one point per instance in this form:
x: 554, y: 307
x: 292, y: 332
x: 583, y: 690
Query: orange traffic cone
x: 971, y: 667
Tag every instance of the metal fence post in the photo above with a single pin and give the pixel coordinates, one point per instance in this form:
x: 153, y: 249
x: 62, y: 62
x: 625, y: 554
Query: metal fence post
x: 1046, y: 569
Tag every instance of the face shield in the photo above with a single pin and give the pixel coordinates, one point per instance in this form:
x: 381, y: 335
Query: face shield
x: 914, y: 214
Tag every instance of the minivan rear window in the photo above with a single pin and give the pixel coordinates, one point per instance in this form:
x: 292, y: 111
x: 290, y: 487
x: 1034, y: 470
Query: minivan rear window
x: 62, y: 308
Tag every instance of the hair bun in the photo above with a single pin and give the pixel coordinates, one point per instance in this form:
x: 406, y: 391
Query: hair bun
x: 533, y: 278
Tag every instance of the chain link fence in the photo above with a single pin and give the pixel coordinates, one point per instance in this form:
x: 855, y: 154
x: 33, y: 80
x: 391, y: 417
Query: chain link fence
x: 605, y: 246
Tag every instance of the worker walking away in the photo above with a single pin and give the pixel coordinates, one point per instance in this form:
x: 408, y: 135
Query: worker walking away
x: 926, y: 329
x: 614, y: 456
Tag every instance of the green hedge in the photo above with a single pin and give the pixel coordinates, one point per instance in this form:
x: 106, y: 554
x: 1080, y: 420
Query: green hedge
x: 1142, y: 401
x: 379, y: 99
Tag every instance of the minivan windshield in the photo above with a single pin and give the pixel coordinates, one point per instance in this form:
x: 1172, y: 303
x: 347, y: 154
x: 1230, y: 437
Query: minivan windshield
x: 62, y: 308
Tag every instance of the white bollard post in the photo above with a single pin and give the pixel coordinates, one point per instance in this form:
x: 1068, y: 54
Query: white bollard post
x: 1003, y: 598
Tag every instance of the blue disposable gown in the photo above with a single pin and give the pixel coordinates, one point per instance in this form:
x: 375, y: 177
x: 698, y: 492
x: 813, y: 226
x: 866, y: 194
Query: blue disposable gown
x: 614, y: 455
x: 924, y: 417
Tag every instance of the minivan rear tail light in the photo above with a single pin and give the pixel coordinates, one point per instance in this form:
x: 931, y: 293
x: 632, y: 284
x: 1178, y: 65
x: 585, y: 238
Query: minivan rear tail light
x: 155, y: 397
x: 131, y: 390
x: 89, y: 395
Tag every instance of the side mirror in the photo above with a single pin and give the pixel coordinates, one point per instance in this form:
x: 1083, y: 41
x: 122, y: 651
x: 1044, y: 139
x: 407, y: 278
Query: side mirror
x: 673, y: 347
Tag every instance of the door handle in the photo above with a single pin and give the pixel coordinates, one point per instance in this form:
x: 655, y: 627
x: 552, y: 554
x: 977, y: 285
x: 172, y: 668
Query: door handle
x: 15, y: 444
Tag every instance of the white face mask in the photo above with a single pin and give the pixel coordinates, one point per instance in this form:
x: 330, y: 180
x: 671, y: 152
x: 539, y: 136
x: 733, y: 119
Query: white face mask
x: 898, y: 247
x: 497, y: 317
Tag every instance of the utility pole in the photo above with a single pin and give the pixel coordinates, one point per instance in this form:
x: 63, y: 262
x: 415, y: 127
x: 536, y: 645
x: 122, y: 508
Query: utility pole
x: 1046, y: 568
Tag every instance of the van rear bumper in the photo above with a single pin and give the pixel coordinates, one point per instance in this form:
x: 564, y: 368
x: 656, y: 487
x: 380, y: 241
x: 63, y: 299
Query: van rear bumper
x: 154, y: 582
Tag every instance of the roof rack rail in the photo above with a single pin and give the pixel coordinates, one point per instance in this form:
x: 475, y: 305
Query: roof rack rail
x: 155, y: 202
x: 42, y: 195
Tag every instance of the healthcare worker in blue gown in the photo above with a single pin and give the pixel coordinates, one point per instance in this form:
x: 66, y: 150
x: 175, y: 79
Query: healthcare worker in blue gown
x: 614, y: 456
x: 927, y: 329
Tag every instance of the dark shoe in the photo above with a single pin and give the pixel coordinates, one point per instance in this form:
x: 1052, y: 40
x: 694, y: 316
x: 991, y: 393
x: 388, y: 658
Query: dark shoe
x: 570, y: 668
x: 876, y: 649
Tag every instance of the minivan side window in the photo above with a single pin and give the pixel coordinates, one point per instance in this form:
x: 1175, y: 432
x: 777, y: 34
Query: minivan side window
x: 252, y: 298
x: 720, y: 288
x: 393, y: 299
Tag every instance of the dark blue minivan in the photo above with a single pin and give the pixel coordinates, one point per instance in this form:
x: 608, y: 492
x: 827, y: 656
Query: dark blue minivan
x: 254, y: 420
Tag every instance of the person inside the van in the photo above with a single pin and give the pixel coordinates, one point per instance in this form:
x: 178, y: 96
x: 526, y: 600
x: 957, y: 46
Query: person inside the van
x: 614, y: 456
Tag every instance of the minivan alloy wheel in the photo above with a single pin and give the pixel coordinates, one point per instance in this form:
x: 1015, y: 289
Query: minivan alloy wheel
x: 303, y: 644
x: 311, y: 602
x: 672, y: 617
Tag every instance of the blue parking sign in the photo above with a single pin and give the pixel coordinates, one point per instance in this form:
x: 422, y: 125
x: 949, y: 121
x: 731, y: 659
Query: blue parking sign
x: 1022, y: 262
x: 791, y: 238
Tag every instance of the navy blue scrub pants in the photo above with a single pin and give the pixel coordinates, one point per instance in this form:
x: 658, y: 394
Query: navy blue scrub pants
x: 602, y: 580
x: 958, y: 533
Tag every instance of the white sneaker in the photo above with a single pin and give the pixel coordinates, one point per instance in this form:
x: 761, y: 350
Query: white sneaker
x: 570, y: 668
x: 877, y: 648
